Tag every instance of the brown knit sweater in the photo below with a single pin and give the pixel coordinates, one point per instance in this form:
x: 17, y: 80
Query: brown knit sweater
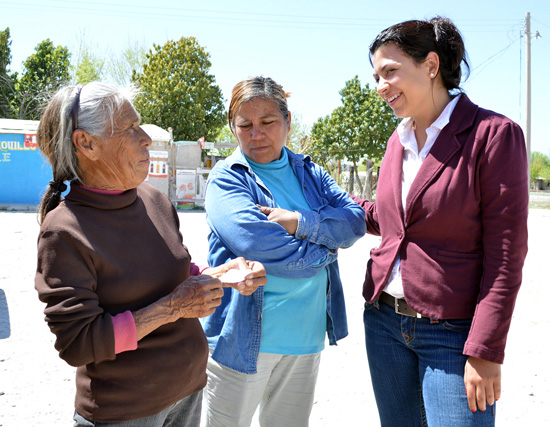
x: 100, y: 255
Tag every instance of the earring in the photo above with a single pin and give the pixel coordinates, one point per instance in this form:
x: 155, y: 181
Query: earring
x: 432, y: 75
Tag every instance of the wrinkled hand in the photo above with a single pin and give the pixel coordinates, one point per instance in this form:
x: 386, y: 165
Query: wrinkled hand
x: 483, y: 383
x: 252, y: 281
x: 287, y: 219
x: 198, y: 296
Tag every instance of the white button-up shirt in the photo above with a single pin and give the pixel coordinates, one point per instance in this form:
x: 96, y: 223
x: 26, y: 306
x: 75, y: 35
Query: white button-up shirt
x: 412, y: 160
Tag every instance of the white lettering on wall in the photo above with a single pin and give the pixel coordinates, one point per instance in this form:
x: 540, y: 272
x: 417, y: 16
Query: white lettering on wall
x: 15, y: 146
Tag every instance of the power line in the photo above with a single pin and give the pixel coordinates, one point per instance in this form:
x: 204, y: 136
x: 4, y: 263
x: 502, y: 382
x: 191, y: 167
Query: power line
x: 231, y: 12
x: 540, y: 22
x: 223, y: 17
x: 129, y: 8
x: 216, y: 20
x: 491, y: 59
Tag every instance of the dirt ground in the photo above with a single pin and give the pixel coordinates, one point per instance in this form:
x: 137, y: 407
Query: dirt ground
x: 37, y: 388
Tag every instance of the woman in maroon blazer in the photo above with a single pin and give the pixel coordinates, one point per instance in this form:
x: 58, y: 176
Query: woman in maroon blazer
x: 451, y: 210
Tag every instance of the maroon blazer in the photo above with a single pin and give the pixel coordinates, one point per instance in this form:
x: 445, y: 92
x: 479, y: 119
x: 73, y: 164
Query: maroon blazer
x: 463, y: 238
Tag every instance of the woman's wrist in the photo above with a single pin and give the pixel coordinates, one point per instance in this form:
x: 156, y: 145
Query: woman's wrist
x: 153, y: 316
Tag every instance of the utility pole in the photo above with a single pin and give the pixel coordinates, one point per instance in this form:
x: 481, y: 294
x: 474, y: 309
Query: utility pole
x: 528, y: 91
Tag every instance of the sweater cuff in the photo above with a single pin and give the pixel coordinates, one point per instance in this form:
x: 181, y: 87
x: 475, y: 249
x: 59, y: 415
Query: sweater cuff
x: 125, y: 332
x: 196, y: 270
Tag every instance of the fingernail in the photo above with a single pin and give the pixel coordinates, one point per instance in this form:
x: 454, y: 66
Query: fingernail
x: 466, y: 391
x: 473, y: 410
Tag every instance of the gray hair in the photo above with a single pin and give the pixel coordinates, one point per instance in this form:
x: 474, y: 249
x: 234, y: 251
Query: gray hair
x: 97, y: 109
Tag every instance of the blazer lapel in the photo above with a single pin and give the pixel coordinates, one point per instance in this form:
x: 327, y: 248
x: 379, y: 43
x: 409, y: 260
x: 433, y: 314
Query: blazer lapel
x: 396, y: 168
x: 445, y: 147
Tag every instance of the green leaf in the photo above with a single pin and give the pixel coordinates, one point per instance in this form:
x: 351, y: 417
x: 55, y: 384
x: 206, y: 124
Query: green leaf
x: 178, y: 91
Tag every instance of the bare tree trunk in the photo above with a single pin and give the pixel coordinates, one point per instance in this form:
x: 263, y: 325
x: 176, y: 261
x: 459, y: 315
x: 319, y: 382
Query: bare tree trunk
x: 367, y: 188
x: 359, y: 183
x: 351, y: 179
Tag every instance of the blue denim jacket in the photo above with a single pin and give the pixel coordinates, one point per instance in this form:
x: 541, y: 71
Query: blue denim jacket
x: 239, y: 228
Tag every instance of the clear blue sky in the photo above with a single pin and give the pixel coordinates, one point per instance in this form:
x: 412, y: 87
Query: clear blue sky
x: 311, y: 47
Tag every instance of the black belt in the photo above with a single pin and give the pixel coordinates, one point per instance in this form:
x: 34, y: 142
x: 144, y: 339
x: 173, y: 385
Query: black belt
x: 400, y: 305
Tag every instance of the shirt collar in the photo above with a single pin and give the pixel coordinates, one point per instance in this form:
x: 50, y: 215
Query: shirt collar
x: 405, y: 128
x: 445, y: 115
x: 81, y: 196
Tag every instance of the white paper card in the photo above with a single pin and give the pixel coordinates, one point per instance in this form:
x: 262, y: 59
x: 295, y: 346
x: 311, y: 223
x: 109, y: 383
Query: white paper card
x: 235, y: 276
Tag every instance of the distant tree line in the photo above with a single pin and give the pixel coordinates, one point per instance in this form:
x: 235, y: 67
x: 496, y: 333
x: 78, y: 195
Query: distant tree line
x: 177, y: 90
x: 355, y: 132
x: 21, y: 96
x: 176, y: 87
x: 540, y: 168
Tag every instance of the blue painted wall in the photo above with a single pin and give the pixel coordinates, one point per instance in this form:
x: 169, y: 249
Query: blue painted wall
x: 24, y: 172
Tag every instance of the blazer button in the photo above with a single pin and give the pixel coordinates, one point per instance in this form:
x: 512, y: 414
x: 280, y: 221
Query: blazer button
x: 400, y: 234
x: 303, y: 237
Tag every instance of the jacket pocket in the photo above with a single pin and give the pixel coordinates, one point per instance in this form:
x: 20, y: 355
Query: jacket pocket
x: 463, y: 255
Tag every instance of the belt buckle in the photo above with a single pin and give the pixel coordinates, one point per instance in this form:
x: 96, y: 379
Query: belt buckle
x: 401, y: 307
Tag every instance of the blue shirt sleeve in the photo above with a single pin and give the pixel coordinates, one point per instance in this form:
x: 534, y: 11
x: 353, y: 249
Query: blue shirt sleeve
x: 238, y: 226
x: 337, y: 223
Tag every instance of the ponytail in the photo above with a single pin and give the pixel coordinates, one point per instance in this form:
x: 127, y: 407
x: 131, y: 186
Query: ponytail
x: 418, y: 38
x: 451, y: 51
x: 51, y: 198
x: 54, y: 138
x: 95, y: 106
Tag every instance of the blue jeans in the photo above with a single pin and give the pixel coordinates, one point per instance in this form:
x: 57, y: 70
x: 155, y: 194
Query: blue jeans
x: 184, y: 413
x: 417, y: 370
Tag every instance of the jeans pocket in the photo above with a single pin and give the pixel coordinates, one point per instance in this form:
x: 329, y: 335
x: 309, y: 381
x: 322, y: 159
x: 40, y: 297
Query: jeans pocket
x: 457, y: 325
x: 369, y: 306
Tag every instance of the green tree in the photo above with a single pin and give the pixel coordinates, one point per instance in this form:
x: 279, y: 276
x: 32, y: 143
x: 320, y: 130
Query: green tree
x: 298, y: 137
x: 88, y: 66
x: 5, y: 50
x: 355, y: 131
x: 121, y: 68
x: 323, y: 140
x: 7, y: 79
x: 178, y: 91
x: 88, y: 69
x: 224, y: 135
x: 44, y: 72
x: 540, y: 167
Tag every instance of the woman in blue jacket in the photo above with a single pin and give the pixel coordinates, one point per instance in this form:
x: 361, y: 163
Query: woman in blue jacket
x: 264, y: 202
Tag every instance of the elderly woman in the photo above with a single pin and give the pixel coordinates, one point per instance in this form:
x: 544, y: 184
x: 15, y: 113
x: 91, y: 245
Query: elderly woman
x: 121, y: 293
x: 282, y: 209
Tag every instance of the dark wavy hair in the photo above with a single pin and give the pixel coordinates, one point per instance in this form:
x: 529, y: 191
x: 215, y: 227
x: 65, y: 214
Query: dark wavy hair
x: 418, y: 38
